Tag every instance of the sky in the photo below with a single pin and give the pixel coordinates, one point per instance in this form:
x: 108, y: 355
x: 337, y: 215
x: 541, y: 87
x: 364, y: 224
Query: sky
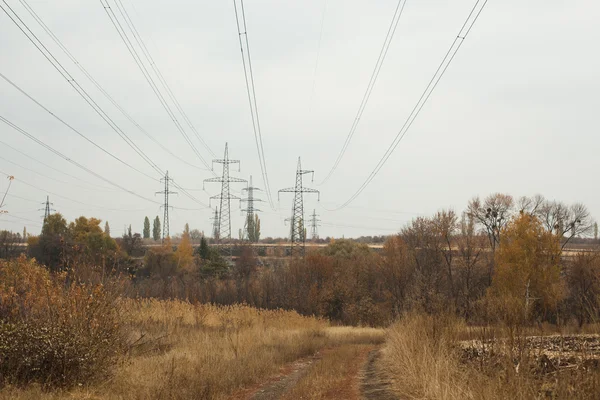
x: 516, y: 111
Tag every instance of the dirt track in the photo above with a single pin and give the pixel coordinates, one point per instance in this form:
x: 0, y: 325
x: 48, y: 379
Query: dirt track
x: 373, y: 385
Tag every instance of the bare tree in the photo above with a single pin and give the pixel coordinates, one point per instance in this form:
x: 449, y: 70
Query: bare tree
x: 493, y: 214
x: 565, y: 221
x: 531, y: 205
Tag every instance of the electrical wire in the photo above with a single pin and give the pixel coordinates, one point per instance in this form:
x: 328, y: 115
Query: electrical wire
x: 374, y: 75
x: 136, y: 57
x: 46, y: 176
x: 65, y: 50
x: 452, y: 51
x: 74, y: 84
x: 160, y: 76
x: 92, y: 142
x: 47, y: 165
x: 58, y: 153
x: 250, y: 88
x: 72, y: 128
x: 314, y: 80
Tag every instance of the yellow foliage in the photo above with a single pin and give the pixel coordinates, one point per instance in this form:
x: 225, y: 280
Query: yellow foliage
x: 527, y: 275
x: 185, y: 252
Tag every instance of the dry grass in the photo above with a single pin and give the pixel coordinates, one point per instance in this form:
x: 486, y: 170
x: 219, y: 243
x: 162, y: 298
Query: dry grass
x: 335, y: 376
x: 185, y: 351
x: 422, y: 356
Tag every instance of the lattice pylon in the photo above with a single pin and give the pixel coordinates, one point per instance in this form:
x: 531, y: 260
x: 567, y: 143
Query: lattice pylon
x: 297, y: 228
x: 225, y: 197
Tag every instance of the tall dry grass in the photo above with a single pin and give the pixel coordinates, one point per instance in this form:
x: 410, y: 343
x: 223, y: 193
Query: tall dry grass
x: 195, y: 351
x: 423, y: 356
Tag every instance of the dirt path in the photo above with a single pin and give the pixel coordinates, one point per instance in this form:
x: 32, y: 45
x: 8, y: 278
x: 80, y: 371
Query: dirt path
x: 374, y: 385
x: 278, y: 385
x: 362, y: 379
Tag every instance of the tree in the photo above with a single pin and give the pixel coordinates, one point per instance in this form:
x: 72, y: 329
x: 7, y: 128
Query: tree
x: 146, y: 231
x: 253, y: 228
x: 565, y: 221
x: 185, y: 252
x: 107, y: 229
x: 493, y: 214
x: 186, y: 228
x: 595, y: 231
x: 196, y: 235
x: 25, y: 233
x: 132, y: 243
x: 49, y: 248
x: 203, y: 249
x: 9, y: 244
x: 156, y: 229
x: 527, y: 279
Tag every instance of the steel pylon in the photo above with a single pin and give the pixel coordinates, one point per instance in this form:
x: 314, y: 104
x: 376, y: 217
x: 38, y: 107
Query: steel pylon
x: 225, y: 197
x: 297, y: 229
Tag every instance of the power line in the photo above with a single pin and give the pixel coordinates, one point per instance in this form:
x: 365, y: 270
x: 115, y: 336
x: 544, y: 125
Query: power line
x: 161, y: 78
x: 250, y: 88
x: 95, y: 144
x: 46, y: 165
x: 45, y: 176
x: 74, y: 84
x: 58, y: 153
x: 374, y: 75
x: 96, y: 84
x: 312, y: 92
x: 10, y: 82
x: 452, y: 51
x: 136, y: 57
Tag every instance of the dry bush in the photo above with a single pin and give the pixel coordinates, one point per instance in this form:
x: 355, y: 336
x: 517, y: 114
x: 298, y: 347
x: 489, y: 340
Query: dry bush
x: 54, y: 333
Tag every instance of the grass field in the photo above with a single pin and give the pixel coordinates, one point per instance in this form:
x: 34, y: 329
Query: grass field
x: 183, y: 351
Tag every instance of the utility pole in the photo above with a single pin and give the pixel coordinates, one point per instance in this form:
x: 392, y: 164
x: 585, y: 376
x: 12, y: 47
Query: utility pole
x: 249, y: 225
x: 47, y: 209
x: 215, y: 221
x: 166, y: 193
x: 225, y: 197
x: 314, y: 225
x: 298, y: 235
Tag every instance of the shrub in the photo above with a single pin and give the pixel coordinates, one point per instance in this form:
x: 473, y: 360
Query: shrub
x: 55, y: 333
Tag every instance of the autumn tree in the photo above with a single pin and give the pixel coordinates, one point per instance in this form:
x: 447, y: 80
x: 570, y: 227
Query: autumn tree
x: 185, y: 252
x: 527, y: 280
x: 156, y: 229
x: 146, y: 231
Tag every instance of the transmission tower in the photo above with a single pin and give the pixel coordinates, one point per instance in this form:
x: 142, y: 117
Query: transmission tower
x: 250, y: 209
x: 47, y: 208
x: 225, y: 197
x: 166, y: 192
x: 215, y: 221
x: 314, y: 225
x: 298, y: 233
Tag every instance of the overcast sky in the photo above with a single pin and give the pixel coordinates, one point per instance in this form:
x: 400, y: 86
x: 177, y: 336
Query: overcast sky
x: 516, y: 111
